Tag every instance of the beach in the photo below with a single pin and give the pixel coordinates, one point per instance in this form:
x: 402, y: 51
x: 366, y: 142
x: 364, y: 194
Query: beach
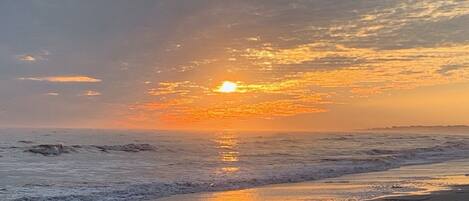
x: 433, y: 182
x: 458, y: 193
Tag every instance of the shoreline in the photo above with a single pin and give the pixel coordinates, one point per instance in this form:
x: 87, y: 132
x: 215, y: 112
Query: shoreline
x: 445, y: 181
x: 455, y: 193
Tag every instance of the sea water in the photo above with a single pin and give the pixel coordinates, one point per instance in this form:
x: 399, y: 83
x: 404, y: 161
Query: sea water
x: 89, y: 164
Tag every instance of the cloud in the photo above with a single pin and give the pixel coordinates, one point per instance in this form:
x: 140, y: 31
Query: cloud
x: 267, y: 109
x: 253, y: 38
x: 165, y: 105
x: 33, y: 57
x: 27, y: 58
x: 91, y: 93
x: 52, y: 94
x: 62, y: 79
x: 367, y: 72
x: 449, y: 68
x: 192, y: 105
x: 175, y: 88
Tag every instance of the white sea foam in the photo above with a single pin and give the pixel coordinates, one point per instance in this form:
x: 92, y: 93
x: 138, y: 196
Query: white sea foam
x: 142, y: 165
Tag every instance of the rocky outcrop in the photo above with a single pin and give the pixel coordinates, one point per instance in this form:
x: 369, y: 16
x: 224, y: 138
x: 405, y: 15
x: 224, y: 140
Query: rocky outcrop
x: 26, y: 141
x: 50, y: 149
x: 58, y: 149
x: 126, y: 147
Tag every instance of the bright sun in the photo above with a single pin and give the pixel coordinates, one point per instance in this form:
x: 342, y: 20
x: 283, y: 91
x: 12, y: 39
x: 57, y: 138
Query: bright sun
x: 228, y: 87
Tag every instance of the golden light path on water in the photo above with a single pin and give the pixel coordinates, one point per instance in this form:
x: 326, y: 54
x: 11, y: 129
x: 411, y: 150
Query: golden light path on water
x: 227, y: 143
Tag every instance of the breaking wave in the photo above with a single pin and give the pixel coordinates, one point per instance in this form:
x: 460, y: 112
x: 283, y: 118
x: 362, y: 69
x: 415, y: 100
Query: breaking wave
x: 162, y: 167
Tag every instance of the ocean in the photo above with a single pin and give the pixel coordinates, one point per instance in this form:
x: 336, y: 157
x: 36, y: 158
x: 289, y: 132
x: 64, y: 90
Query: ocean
x: 117, y: 165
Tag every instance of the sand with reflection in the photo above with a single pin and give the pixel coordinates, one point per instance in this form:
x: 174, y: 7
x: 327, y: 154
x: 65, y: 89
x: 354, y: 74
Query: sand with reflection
x: 411, y: 180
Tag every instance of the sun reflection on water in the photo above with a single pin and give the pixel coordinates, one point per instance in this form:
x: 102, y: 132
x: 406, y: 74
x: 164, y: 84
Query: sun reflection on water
x: 229, y: 156
x: 227, y: 144
x: 230, y: 169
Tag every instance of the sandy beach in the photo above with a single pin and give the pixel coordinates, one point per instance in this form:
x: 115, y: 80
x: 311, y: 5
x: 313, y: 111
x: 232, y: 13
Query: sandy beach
x: 457, y: 193
x: 434, y: 182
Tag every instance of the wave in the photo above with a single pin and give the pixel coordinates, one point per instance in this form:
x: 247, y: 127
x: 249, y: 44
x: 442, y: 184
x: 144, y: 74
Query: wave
x: 368, y: 161
x: 58, y: 149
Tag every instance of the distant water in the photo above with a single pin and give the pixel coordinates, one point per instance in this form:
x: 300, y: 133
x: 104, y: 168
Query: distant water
x: 143, y: 165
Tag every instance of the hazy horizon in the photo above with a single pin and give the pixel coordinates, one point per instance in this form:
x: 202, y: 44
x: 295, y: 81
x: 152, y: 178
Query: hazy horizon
x: 217, y: 130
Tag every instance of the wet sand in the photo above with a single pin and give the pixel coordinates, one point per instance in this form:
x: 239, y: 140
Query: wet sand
x: 447, y: 181
x: 312, y: 192
x: 458, y: 193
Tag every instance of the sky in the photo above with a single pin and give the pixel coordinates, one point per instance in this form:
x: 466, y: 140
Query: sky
x: 248, y: 65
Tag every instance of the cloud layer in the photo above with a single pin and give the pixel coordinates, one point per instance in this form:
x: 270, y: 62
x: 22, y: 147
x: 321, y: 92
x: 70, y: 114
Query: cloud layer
x: 62, y: 79
x: 299, y: 63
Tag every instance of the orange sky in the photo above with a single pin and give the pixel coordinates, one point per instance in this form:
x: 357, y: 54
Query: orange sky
x: 264, y: 65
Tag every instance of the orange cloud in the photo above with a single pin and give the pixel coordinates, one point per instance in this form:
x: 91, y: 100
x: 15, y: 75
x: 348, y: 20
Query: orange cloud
x: 174, y: 88
x: 381, y: 69
x: 62, y: 79
x: 305, y: 92
x: 91, y: 93
x: 269, y: 109
x: 208, y: 107
x: 164, y: 105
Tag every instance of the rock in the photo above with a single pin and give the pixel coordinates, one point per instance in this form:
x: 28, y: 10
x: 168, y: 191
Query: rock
x: 126, y: 147
x: 50, y: 149
x: 26, y: 141
x: 58, y: 149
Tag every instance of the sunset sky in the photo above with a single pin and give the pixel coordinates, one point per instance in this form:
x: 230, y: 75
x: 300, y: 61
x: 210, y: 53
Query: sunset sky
x: 248, y: 65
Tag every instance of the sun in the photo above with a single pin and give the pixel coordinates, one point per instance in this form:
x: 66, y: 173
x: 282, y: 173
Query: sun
x: 228, y: 87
